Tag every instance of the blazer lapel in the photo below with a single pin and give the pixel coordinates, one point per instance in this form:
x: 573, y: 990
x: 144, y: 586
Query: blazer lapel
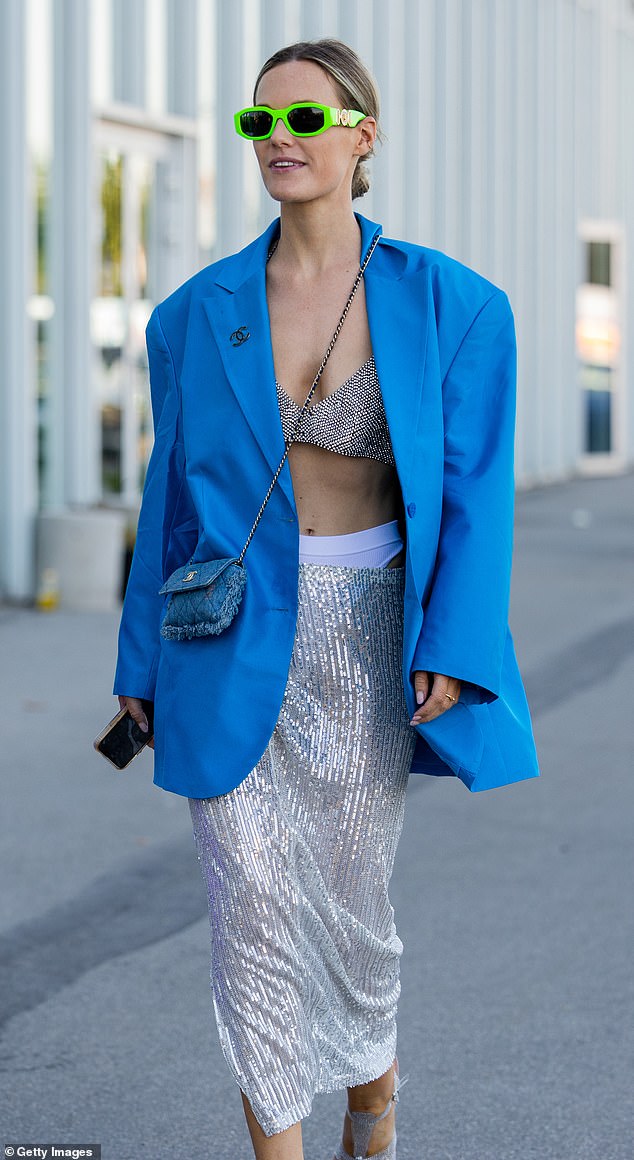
x: 398, y: 316
x: 240, y: 324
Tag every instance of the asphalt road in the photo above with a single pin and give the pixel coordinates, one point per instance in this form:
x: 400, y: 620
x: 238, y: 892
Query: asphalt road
x: 515, y: 905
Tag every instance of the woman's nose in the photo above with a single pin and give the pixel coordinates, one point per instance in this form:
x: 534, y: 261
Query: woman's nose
x: 280, y: 132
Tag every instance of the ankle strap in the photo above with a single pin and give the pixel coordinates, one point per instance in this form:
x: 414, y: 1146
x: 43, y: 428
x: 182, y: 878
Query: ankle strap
x: 364, y: 1123
x: 398, y: 1084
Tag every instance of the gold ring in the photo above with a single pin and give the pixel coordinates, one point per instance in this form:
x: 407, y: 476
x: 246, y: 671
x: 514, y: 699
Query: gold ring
x: 450, y: 696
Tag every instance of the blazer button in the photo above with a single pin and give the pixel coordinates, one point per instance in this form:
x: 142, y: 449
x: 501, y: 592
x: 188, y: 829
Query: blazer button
x: 411, y: 509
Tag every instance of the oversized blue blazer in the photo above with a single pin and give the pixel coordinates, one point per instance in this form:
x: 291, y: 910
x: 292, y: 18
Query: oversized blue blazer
x: 444, y: 346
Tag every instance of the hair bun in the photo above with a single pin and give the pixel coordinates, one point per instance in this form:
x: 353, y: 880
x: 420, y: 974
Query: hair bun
x: 360, y: 180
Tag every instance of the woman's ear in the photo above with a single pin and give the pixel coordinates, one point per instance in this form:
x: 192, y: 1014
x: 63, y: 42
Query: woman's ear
x: 366, y: 130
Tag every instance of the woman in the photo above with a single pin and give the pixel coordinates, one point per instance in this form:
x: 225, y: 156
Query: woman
x: 372, y: 637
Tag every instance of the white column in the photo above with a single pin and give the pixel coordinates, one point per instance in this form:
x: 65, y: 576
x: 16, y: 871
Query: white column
x: 477, y: 127
x: 546, y: 241
x: 418, y: 116
x: 74, y: 434
x: 279, y: 26
x: 609, y: 169
x: 564, y: 274
x: 502, y: 247
x: 510, y: 149
x: 181, y: 57
x: 454, y: 128
x: 318, y: 19
x: 588, y: 127
x: 129, y: 25
x: 231, y: 149
x: 18, y: 433
x: 182, y: 92
x: 389, y: 44
x: 439, y: 113
x: 354, y: 19
x: 158, y: 43
x: 527, y: 296
x: 491, y: 95
x: 626, y: 214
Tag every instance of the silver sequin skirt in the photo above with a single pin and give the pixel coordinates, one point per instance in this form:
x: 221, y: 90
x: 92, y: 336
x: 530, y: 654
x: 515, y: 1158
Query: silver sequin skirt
x: 297, y: 859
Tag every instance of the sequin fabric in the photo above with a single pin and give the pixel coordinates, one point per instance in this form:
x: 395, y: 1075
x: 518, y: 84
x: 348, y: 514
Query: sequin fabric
x: 349, y: 421
x: 297, y: 859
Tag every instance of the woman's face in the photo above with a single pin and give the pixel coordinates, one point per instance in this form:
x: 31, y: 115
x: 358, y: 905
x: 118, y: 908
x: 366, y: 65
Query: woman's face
x: 302, y: 169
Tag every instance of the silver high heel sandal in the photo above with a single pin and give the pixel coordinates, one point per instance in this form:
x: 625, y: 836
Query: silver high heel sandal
x: 363, y: 1124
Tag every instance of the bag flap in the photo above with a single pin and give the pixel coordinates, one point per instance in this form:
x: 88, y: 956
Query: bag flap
x: 197, y: 575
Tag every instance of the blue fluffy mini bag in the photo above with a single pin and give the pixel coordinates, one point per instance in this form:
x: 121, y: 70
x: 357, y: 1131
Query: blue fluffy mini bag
x: 203, y: 598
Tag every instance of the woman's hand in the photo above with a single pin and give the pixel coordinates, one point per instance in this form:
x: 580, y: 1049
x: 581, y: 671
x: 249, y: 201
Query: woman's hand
x: 435, y: 694
x: 135, y: 709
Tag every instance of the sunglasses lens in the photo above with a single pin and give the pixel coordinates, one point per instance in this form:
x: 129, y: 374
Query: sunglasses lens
x: 256, y: 123
x: 306, y: 120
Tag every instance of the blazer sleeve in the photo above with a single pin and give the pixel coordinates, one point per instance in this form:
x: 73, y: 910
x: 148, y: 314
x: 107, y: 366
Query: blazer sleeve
x: 167, y: 528
x: 465, y: 620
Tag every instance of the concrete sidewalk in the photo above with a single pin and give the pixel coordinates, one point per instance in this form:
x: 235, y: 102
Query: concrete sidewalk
x: 514, y: 905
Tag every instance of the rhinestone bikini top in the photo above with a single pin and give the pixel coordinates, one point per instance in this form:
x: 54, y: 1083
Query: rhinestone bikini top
x: 349, y: 421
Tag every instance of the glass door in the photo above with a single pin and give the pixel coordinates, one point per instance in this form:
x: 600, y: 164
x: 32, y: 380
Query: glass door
x: 131, y: 173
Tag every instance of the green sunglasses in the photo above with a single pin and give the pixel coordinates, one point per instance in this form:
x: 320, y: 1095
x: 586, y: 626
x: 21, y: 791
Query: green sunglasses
x: 303, y: 119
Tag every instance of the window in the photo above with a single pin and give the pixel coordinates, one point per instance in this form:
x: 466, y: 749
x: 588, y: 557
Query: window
x: 598, y: 263
x: 598, y: 335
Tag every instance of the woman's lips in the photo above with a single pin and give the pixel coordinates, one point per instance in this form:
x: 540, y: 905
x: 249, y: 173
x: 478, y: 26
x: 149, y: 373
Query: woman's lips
x: 286, y: 165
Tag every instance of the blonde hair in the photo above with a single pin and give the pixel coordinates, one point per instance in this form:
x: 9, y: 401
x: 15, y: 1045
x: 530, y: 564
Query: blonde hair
x: 355, y: 85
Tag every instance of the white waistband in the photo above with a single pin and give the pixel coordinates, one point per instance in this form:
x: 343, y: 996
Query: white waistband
x: 371, y: 547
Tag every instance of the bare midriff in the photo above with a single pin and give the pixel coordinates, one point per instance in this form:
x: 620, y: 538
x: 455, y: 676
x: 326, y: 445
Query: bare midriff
x: 339, y: 494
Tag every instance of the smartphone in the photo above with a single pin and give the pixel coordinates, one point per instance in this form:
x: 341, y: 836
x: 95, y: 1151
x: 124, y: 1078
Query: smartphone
x: 122, y: 738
